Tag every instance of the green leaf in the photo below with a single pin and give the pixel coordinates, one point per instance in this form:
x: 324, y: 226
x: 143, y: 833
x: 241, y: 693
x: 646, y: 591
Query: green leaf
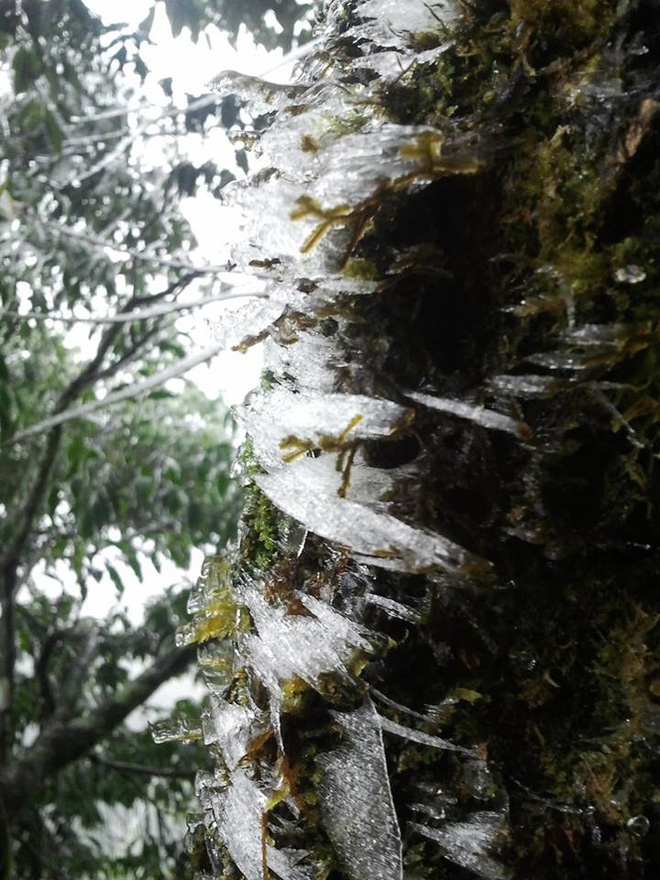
x: 116, y: 578
x: 27, y: 69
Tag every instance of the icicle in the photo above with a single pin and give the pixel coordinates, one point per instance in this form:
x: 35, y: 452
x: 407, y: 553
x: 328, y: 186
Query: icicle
x: 178, y: 729
x: 357, y: 810
x: 393, y: 608
x: 306, y: 646
x: 487, y: 418
x: 231, y: 726
x: 284, y: 425
x: 527, y: 385
x: 398, y: 22
x: 239, y: 813
x: 377, y: 536
x: 259, y: 95
x: 418, y: 736
x: 469, y: 843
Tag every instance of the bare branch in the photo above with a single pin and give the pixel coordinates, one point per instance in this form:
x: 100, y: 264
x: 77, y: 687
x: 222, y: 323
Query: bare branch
x: 220, y: 269
x: 60, y: 743
x: 127, y: 767
x: 129, y: 393
x: 199, y: 104
x: 141, y: 315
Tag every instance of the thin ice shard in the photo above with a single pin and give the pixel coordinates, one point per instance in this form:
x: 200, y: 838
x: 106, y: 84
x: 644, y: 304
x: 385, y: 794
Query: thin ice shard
x: 418, y: 736
x: 487, y: 418
x: 469, y: 843
x: 231, y: 726
x: 357, y: 809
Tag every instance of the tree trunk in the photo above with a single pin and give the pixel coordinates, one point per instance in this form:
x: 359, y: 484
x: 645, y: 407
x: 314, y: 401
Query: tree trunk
x: 443, y: 608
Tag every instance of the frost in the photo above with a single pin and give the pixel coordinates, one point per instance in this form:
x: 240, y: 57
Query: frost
x: 241, y: 327
x: 487, y: 418
x: 231, y: 726
x: 395, y: 18
x: 330, y: 159
x: 468, y: 844
x: 298, y: 491
x: 357, y: 809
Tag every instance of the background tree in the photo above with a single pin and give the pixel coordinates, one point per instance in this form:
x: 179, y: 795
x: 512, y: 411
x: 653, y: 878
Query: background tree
x: 91, y: 236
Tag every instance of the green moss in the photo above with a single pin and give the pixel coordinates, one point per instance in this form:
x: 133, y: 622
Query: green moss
x: 260, y: 522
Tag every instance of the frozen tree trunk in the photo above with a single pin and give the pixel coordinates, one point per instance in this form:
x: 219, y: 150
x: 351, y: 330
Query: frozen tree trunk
x: 434, y: 653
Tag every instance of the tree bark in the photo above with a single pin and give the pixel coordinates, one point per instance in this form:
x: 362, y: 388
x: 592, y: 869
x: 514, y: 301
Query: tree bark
x: 515, y: 277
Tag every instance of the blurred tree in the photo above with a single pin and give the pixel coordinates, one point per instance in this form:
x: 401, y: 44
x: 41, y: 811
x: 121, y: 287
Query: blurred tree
x: 96, y: 266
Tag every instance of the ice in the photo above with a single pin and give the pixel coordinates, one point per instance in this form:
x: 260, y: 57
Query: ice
x: 285, y: 424
x: 178, y: 729
x: 631, y: 274
x: 328, y: 158
x: 469, y: 843
x: 397, y: 19
x: 287, y: 865
x: 308, y: 646
x: 527, y: 385
x: 231, y: 726
x: 377, y: 536
x: 487, y: 418
x: 259, y: 95
x: 357, y: 810
x: 418, y: 736
x: 394, y: 608
x: 310, y: 360
x: 238, y: 812
x: 241, y: 327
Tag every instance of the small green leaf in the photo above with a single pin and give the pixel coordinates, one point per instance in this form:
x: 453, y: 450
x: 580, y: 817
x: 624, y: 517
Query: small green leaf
x: 27, y: 69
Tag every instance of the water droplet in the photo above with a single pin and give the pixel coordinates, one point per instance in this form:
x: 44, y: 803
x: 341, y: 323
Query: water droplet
x: 631, y: 274
x: 638, y: 825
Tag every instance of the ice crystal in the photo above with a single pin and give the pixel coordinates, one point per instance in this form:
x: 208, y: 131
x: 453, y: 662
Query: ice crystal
x: 285, y: 425
x: 380, y: 537
x: 469, y: 843
x: 239, y: 811
x: 356, y: 803
x: 307, y: 646
x: 418, y: 736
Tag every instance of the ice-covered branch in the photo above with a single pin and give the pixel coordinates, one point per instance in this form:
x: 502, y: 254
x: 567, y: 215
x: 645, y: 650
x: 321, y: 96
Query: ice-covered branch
x: 178, y: 369
x: 139, y: 315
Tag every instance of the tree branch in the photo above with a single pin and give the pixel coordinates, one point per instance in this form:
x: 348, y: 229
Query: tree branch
x: 10, y: 560
x: 62, y: 743
x: 142, y: 256
x: 173, y: 372
x: 127, y: 767
x: 122, y: 317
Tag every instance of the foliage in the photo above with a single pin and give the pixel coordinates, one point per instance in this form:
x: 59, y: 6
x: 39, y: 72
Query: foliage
x: 91, y: 233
